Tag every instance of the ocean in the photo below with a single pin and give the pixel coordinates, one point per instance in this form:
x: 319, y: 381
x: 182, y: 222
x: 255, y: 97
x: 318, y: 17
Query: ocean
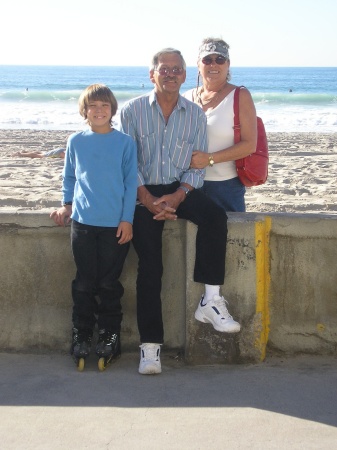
x: 289, y: 99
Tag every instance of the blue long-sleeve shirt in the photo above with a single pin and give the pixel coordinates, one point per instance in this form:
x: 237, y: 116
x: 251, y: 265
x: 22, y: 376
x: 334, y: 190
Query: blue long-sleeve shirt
x: 100, y: 178
x: 165, y: 150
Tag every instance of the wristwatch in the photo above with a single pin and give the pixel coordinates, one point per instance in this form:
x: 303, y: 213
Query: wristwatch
x: 185, y: 189
x: 67, y: 203
x: 210, y: 160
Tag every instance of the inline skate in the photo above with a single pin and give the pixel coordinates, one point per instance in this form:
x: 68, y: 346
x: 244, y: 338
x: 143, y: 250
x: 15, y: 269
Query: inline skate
x: 81, y: 346
x: 108, y: 348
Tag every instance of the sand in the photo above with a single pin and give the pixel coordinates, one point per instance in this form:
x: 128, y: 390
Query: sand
x: 302, y: 173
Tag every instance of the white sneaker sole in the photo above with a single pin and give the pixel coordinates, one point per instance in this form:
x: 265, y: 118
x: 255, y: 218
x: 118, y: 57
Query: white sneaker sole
x: 149, y: 370
x: 234, y: 328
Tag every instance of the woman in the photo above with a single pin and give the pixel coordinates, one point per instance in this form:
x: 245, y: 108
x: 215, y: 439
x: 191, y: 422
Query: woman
x: 215, y: 97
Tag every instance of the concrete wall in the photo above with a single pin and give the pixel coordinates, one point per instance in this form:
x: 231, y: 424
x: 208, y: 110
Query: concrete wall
x: 281, y: 274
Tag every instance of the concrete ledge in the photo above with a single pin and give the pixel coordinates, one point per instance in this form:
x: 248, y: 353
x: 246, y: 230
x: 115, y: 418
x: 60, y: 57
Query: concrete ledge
x: 281, y: 277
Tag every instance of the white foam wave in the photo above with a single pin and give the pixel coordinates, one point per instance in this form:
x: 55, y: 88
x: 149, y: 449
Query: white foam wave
x: 65, y: 116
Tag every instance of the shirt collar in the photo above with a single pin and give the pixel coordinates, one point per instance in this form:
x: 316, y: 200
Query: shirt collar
x: 181, y: 103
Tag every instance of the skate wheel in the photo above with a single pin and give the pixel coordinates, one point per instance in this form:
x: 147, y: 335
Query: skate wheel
x: 80, y: 364
x: 101, y: 364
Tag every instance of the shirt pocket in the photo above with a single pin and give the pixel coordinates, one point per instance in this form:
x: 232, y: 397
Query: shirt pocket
x: 181, y: 154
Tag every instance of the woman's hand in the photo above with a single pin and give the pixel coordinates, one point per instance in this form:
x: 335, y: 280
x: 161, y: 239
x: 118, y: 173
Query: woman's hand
x: 199, y: 160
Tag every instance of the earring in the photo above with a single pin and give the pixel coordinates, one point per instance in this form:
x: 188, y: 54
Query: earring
x: 198, y: 81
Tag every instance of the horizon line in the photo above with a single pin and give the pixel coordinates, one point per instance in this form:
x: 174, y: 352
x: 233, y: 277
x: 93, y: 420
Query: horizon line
x: 142, y: 66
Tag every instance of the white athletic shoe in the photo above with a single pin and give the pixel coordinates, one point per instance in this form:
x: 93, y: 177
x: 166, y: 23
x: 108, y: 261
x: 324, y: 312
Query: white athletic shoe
x: 149, y: 359
x: 215, y: 312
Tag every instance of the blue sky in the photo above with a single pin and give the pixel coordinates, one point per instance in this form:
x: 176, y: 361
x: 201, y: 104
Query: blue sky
x: 129, y: 32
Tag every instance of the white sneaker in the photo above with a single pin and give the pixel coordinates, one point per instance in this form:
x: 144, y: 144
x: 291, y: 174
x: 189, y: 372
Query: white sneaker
x: 216, y: 313
x: 149, y: 359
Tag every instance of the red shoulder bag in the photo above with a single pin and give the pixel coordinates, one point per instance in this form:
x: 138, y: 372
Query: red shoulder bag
x: 253, y: 169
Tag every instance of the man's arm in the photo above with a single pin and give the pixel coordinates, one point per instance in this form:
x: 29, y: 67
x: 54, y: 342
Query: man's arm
x: 195, y: 177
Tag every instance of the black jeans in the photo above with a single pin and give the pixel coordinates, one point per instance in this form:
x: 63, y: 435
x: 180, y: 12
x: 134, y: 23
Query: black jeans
x: 147, y: 240
x: 99, y: 261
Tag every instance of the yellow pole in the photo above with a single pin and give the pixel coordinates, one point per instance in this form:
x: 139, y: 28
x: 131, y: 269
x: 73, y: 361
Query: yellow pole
x: 262, y: 249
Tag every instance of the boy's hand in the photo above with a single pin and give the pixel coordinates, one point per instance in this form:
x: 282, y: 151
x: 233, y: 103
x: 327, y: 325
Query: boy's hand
x: 124, y: 232
x: 62, y: 215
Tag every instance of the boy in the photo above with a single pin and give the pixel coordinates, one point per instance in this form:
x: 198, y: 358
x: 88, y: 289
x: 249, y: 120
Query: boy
x: 99, y: 197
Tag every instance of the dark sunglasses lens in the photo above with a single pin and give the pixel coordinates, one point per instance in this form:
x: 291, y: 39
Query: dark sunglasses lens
x: 218, y: 60
x: 207, y: 61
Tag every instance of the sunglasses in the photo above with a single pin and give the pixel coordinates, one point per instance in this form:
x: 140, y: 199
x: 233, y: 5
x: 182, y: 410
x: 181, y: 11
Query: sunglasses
x: 218, y: 60
x: 166, y: 71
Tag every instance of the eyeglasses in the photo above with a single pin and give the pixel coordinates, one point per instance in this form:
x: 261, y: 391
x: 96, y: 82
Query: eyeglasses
x: 166, y: 71
x: 218, y: 60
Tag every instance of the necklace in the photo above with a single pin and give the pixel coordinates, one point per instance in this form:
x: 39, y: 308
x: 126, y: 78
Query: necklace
x: 204, y: 102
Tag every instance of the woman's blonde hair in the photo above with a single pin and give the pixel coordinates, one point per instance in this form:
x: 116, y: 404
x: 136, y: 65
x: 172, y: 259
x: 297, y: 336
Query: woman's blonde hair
x: 96, y: 92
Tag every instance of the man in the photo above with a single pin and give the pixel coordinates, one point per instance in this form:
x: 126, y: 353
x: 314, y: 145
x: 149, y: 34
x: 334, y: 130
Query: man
x: 167, y: 129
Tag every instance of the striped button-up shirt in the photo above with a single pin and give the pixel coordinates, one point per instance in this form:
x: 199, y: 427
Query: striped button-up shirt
x: 165, y: 149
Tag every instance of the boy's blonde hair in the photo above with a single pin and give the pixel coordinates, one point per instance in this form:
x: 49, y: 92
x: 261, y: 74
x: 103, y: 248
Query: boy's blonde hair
x: 96, y: 92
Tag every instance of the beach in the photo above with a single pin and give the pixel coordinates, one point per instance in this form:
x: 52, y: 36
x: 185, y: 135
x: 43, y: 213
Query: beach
x: 302, y: 173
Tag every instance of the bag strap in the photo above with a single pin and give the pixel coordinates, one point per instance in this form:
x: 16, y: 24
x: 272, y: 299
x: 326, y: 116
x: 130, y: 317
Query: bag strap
x: 193, y: 92
x: 237, y: 126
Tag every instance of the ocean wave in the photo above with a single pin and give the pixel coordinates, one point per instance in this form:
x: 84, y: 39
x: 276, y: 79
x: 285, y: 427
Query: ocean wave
x: 38, y: 96
x: 58, y: 110
x: 35, y: 96
x: 286, y: 119
x: 293, y: 98
x: 41, y: 96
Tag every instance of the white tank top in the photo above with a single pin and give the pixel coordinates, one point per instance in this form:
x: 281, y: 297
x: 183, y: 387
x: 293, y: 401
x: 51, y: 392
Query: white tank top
x: 220, y: 122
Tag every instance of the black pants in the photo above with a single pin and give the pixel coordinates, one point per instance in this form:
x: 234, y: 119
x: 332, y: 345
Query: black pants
x: 147, y: 240
x: 99, y: 261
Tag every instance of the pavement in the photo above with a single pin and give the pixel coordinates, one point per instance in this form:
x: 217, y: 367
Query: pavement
x: 282, y: 403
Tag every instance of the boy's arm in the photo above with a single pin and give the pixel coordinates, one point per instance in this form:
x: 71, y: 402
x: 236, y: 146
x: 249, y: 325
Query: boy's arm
x: 129, y: 127
x: 130, y: 180
x: 68, y: 176
x: 124, y: 232
x: 62, y: 215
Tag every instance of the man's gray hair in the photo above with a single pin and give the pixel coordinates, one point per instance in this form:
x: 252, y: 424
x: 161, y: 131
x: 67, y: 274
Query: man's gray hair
x: 165, y: 51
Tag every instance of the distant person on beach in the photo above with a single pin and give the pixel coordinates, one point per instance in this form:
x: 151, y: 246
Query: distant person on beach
x: 99, y: 197
x: 167, y: 129
x: 57, y: 153
x: 215, y: 96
